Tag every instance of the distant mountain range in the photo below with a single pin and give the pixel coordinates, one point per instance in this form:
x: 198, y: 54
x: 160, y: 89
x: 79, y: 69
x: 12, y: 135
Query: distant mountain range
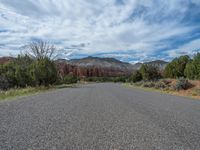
x: 100, y: 63
x: 157, y: 63
x: 95, y: 66
x: 4, y: 60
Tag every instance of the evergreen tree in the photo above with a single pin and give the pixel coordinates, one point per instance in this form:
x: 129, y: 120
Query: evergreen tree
x: 175, y: 69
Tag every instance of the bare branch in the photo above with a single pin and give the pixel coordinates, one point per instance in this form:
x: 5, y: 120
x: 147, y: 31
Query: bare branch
x: 41, y: 49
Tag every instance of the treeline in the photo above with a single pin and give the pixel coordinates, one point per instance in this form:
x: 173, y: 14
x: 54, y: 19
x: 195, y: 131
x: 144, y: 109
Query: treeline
x: 184, y: 66
x: 35, y: 68
x: 181, y: 67
x: 24, y: 71
x: 146, y: 73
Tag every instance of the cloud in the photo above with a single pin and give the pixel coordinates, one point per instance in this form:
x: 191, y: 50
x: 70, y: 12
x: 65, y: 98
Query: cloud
x: 190, y: 49
x: 134, y: 30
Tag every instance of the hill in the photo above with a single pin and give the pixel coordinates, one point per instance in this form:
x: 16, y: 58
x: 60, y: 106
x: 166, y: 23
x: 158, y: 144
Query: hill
x: 4, y: 60
x: 94, y: 66
x: 157, y: 63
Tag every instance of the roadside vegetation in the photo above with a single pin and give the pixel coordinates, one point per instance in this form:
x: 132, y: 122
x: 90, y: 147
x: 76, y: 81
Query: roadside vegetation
x: 32, y: 72
x: 181, y: 76
x: 121, y: 79
x: 21, y: 92
x: 35, y: 70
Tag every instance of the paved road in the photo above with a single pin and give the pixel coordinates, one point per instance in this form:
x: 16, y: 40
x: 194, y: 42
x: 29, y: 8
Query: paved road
x: 100, y: 117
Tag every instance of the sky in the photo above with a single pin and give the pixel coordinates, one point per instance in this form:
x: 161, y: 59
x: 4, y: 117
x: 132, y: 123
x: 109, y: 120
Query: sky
x: 129, y: 30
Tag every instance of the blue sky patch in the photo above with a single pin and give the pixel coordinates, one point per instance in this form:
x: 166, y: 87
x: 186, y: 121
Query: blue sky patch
x: 129, y: 30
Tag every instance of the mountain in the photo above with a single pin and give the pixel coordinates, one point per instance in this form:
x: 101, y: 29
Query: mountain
x: 137, y: 66
x: 157, y: 63
x: 4, y: 60
x: 94, y: 66
x: 101, y: 63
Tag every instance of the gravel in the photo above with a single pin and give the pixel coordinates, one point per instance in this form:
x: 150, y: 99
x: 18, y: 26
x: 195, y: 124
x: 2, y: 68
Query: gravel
x: 103, y: 116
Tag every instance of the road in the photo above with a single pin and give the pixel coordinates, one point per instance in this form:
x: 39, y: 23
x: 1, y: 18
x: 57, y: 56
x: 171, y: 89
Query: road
x: 103, y: 116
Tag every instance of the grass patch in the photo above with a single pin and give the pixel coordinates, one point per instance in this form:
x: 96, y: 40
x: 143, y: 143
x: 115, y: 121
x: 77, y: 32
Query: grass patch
x: 21, y: 92
x: 148, y: 89
x: 196, y: 92
x: 167, y: 87
x: 16, y: 92
x: 62, y: 86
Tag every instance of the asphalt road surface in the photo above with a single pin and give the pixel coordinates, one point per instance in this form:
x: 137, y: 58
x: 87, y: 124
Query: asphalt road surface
x: 104, y: 116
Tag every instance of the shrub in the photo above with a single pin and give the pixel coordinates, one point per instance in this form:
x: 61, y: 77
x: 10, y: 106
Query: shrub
x: 97, y: 79
x: 149, y: 72
x: 107, y: 79
x: 9, y: 74
x: 140, y: 83
x: 161, y: 85
x: 4, y: 84
x: 70, y: 79
x: 149, y: 84
x: 182, y: 84
x: 43, y: 72
x: 175, y: 69
x: 16, y: 71
x: 135, y: 77
x: 120, y: 79
x: 192, y: 70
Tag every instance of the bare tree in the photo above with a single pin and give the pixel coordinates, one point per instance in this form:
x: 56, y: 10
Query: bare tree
x: 42, y: 49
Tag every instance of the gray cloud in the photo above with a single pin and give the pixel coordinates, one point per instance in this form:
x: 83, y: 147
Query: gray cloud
x: 145, y: 26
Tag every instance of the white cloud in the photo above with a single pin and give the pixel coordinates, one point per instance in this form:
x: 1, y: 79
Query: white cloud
x: 190, y: 49
x: 139, y: 26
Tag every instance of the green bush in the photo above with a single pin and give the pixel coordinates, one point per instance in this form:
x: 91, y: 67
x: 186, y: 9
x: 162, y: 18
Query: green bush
x: 192, y: 70
x: 24, y: 71
x: 16, y: 71
x: 135, y: 77
x: 70, y: 79
x: 149, y: 72
x: 161, y: 85
x: 43, y: 72
x: 182, y: 84
x: 175, y: 69
x: 4, y: 84
x: 98, y: 79
x: 9, y: 74
x: 120, y: 79
x: 107, y: 79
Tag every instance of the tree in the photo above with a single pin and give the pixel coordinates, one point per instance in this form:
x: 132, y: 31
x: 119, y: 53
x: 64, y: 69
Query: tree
x: 43, y: 72
x: 41, y: 50
x: 16, y: 71
x: 192, y: 70
x: 4, y: 84
x: 21, y: 65
x: 175, y: 69
x: 9, y: 74
x: 149, y: 72
x: 136, y: 76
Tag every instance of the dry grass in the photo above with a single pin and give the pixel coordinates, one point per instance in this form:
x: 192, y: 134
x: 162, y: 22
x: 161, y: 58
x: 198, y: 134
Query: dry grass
x: 21, y: 92
x: 16, y: 92
x: 193, y: 91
